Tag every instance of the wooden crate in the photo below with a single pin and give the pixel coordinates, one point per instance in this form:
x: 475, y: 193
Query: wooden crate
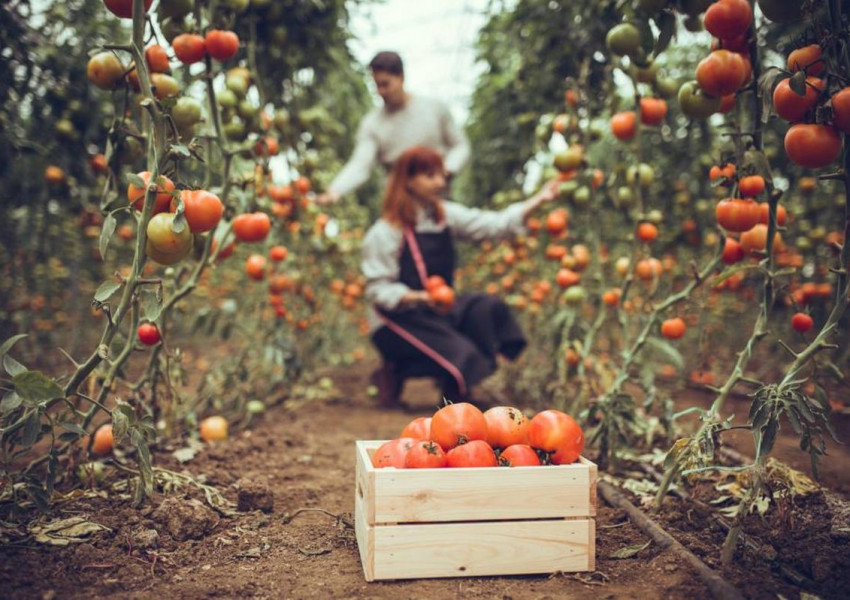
x: 416, y: 523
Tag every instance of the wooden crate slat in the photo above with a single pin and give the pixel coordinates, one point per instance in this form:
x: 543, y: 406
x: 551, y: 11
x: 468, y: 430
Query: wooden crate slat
x: 486, y: 548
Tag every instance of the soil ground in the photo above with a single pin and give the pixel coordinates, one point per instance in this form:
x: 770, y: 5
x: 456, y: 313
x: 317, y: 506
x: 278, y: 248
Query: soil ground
x: 305, y: 458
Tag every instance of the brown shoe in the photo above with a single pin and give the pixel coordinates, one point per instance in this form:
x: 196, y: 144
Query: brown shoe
x: 389, y: 386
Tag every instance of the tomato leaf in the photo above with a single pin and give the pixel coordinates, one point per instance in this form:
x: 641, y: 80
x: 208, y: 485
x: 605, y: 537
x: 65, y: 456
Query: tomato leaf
x: 180, y: 150
x: 73, y: 427
x: 7, y: 345
x: 35, y: 386
x: 10, y: 402
x: 767, y: 439
x: 105, y: 290
x: 12, y: 366
x: 629, y: 551
x: 32, y: 427
x: 730, y: 272
x: 666, y: 22
x: 151, y: 305
x: 797, y: 83
x: 667, y: 351
x: 109, y: 224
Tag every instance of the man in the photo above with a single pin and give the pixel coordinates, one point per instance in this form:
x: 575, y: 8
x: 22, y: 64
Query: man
x: 405, y: 120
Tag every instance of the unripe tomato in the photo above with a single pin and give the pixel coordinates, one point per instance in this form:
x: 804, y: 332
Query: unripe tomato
x: 164, y: 86
x: 802, y: 322
x: 202, y: 209
x: 623, y: 39
x: 148, y: 334
x: 163, y: 238
x: 673, y: 329
x: 221, y: 45
x: 214, y: 429
x: 695, y: 103
x: 104, y: 440
x: 189, y: 48
x: 105, y: 70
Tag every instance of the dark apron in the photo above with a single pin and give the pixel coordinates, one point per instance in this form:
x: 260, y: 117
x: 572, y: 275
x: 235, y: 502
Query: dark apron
x: 458, y: 348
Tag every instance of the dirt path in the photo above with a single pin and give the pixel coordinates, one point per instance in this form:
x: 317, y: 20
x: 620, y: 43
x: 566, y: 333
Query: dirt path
x: 306, y: 460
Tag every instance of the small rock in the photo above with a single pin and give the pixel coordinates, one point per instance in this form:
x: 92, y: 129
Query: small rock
x: 49, y: 595
x: 177, y: 579
x: 144, y: 539
x: 185, y: 519
x: 823, y: 568
x: 254, y: 495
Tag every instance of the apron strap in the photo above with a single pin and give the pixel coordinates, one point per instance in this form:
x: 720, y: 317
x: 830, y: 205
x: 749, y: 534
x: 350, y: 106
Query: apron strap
x: 417, y: 255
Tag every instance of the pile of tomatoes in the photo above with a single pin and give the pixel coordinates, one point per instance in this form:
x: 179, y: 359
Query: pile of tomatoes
x: 460, y: 435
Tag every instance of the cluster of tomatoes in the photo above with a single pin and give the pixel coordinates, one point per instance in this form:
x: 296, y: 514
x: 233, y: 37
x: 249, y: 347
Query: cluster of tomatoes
x: 460, y: 435
x: 440, y: 292
x: 796, y: 99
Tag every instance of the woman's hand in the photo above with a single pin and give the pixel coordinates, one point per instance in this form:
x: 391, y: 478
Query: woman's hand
x: 416, y: 298
x: 547, y: 193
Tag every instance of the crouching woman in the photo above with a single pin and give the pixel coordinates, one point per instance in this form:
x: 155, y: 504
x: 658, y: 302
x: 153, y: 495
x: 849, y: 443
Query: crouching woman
x: 414, y: 241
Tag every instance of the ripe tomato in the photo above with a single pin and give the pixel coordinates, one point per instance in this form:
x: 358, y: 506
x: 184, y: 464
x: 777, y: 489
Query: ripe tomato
x: 418, y: 429
x: 163, y: 239
x: 506, y: 426
x: 124, y: 8
x: 225, y: 252
x: 443, y: 296
x: 164, y: 86
x: 735, y: 214
x: 519, y: 455
x: 732, y: 252
x: 567, y: 278
x: 103, y: 441
x: 458, y: 424
x: 611, y: 297
x: 751, y: 186
x: 105, y: 70
x: 214, y: 429
x: 393, y: 453
x: 148, y: 334
x: 434, y: 282
x: 552, y: 429
x: 203, y: 209
x: 557, y: 221
x: 812, y: 146
x: 157, y: 59
x: 98, y: 163
x: 808, y: 58
x: 251, y: 227
x: 221, y: 45
x: 278, y: 253
x: 652, y: 111
x: 764, y: 213
x: 727, y: 19
x: 425, y: 455
x: 255, y: 267
x: 648, y: 268
x: 268, y: 145
x: 302, y: 184
x: 624, y: 125
x: 281, y: 283
x: 841, y: 110
x: 721, y: 73
x: 791, y: 106
x: 189, y: 48
x: 164, y: 187
x: 476, y: 453
x: 673, y: 329
x: 802, y: 322
x: 647, y: 232
x: 755, y: 240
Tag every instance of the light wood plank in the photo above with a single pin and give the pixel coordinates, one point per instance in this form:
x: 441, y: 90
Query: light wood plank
x: 365, y: 538
x: 489, y: 548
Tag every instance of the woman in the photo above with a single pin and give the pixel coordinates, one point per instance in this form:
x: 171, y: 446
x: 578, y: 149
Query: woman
x: 413, y: 241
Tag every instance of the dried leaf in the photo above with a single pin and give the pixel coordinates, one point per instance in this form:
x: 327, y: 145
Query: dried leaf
x: 629, y: 551
x: 63, y: 532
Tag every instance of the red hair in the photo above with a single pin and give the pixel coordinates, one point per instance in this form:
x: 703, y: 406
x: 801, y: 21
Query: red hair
x: 399, y: 204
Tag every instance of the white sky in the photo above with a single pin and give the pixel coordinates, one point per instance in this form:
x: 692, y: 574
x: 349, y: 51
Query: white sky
x: 435, y: 40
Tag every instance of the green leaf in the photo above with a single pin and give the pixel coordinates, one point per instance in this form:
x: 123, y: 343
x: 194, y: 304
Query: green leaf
x: 629, y: 551
x: 12, y: 366
x: 135, y: 180
x: 105, y: 290
x: 32, y: 427
x: 7, y: 345
x: 109, y: 224
x: 52, y: 464
x: 666, y: 22
x: 10, y: 402
x: 730, y: 272
x: 665, y: 350
x: 180, y: 150
x: 797, y: 83
x: 35, y: 386
x: 151, y: 305
x: 73, y: 427
x: 768, y: 438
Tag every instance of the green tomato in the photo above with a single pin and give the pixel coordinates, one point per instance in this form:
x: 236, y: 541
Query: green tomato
x: 642, y: 174
x: 646, y: 74
x: 226, y: 98
x: 574, y: 295
x: 186, y: 112
x: 235, y: 129
x: 255, y: 407
x: 655, y: 216
x: 237, y: 84
x: 623, y: 39
x: 696, y: 104
x: 625, y: 197
x: 666, y: 86
x: 163, y: 238
x: 582, y: 196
